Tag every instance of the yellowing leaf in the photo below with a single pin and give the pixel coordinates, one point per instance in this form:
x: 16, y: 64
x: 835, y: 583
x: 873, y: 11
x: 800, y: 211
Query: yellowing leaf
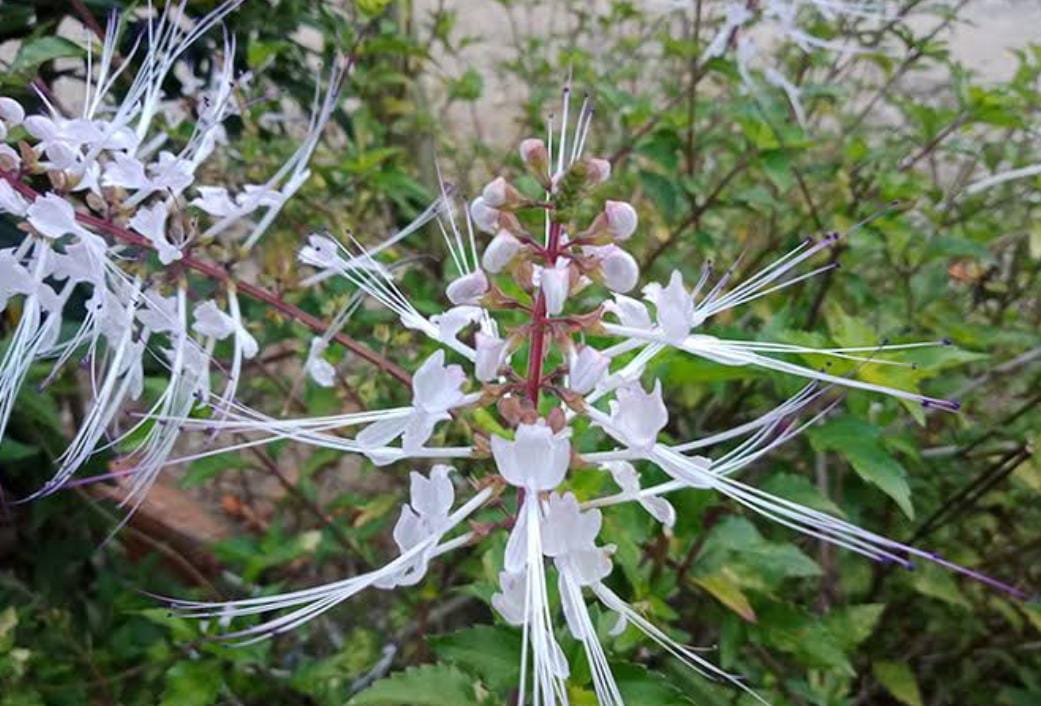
x: 898, y: 680
x: 723, y: 586
x: 1033, y: 613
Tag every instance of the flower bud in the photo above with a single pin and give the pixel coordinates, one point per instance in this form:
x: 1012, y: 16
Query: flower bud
x: 485, y: 217
x: 618, y: 269
x: 499, y: 193
x: 11, y: 112
x: 9, y: 159
x: 467, y: 289
x: 586, y: 368
x: 599, y: 170
x: 554, y: 283
x: 491, y: 353
x: 533, y: 152
x: 500, y: 251
x: 621, y: 219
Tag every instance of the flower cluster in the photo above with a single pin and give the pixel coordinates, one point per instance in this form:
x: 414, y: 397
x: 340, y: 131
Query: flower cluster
x: 117, y: 184
x: 572, y: 283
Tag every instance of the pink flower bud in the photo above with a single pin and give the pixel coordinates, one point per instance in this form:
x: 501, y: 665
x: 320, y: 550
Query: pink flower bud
x: 467, y: 289
x: 485, y: 217
x: 500, y: 193
x: 500, y: 251
x: 599, y: 170
x: 621, y: 219
x: 533, y: 152
x: 11, y: 112
x: 618, y: 268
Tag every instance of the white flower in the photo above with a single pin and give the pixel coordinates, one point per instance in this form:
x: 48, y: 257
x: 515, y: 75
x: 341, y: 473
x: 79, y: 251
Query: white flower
x: 125, y: 171
x: 11, y: 201
x: 468, y: 289
x: 210, y: 321
x: 621, y: 219
x: 569, y: 537
x: 491, y: 354
x: 321, y: 371
x: 509, y: 601
x: 150, y: 221
x: 631, y: 313
x: 436, y: 389
x: 159, y: 313
x: 485, y: 217
x: 637, y: 417
x: 14, y: 278
x: 171, y: 173
x: 215, y: 201
x: 536, y: 459
x: 626, y: 477
x: 586, y: 368
x: 500, y: 251
x: 53, y: 217
x: 618, y: 268
x: 554, y: 283
x: 451, y: 322
x: 674, y: 306
x: 321, y: 251
x: 425, y: 518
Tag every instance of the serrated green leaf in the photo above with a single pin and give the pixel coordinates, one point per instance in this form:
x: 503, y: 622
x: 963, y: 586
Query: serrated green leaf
x: 426, y: 685
x: 642, y: 687
x: 491, y: 652
x: 860, y: 444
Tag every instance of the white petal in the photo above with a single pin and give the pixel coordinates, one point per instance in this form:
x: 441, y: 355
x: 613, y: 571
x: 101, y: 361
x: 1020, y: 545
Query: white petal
x: 500, y: 252
x: 468, y: 289
x: 382, y: 432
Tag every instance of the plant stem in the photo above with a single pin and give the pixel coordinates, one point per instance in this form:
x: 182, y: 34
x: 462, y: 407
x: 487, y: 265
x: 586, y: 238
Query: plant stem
x: 539, y: 321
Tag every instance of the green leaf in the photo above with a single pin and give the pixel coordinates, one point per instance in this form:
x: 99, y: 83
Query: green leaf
x: 851, y: 625
x: 899, y: 680
x: 467, y: 87
x: 209, y: 467
x: 36, y: 51
x: 723, y: 585
x: 936, y: 583
x: 192, y: 684
x: 491, y: 652
x: 8, y: 622
x: 663, y: 192
x: 642, y: 687
x: 426, y: 685
x: 800, y: 490
x: 12, y: 451
x: 860, y: 443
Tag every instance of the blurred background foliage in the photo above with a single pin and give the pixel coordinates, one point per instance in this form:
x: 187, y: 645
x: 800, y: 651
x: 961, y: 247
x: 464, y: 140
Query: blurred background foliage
x: 894, y: 135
